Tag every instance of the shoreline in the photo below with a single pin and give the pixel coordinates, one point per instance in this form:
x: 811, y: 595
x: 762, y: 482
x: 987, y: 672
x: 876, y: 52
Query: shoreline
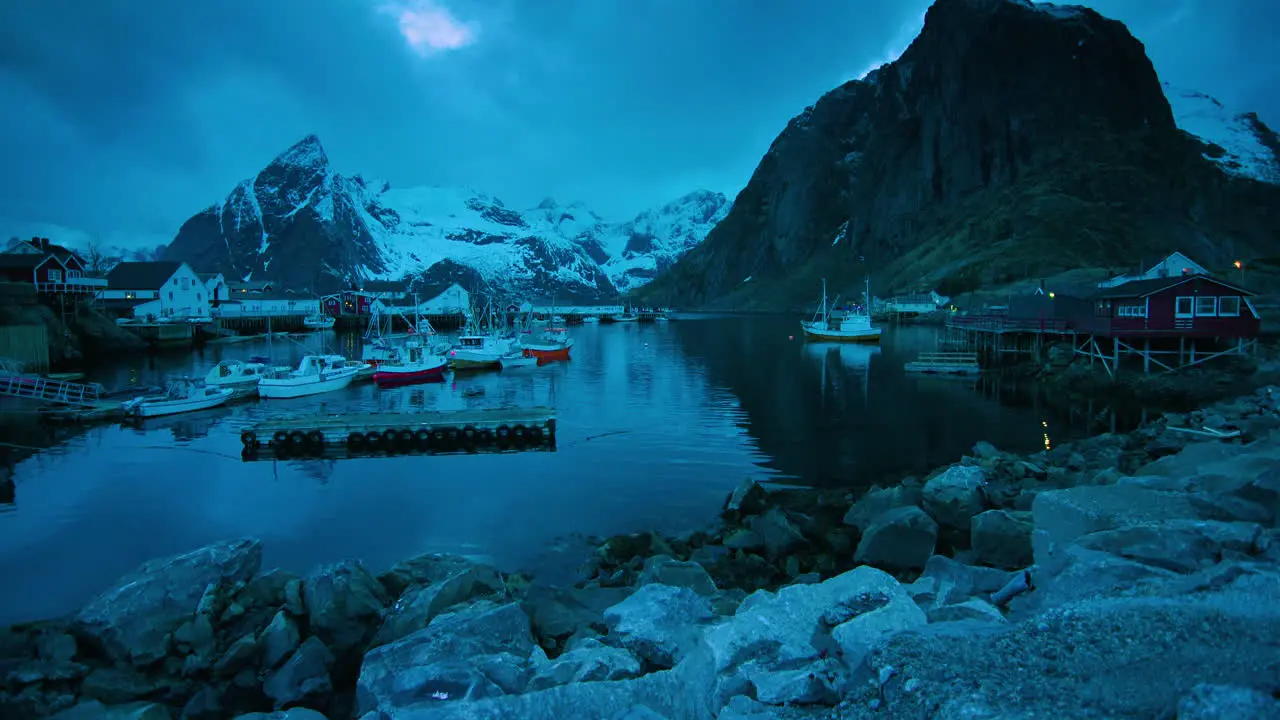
x: 991, y: 583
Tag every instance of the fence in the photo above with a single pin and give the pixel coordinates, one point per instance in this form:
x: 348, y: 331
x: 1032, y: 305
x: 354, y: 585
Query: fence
x: 1003, y: 323
x: 28, y: 344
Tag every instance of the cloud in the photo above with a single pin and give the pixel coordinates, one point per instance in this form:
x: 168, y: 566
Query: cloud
x: 428, y: 27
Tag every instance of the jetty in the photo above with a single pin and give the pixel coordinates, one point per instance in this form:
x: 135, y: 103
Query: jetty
x: 945, y: 363
x: 381, y: 434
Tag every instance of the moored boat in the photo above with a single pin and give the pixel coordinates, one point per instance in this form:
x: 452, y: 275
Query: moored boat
x: 516, y: 359
x: 237, y: 374
x: 315, y: 374
x: 553, y: 344
x: 836, y: 324
x: 318, y: 322
x: 417, y: 366
x: 478, y: 351
x: 181, y: 395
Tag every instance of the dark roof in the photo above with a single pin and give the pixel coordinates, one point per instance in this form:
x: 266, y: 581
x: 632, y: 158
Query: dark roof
x: 253, y: 285
x: 141, y: 275
x: 61, y: 252
x: 20, y: 260
x: 208, y: 276
x: 1144, y: 288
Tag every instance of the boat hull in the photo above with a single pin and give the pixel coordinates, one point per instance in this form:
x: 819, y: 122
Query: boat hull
x: 546, y: 353
x: 518, y: 361
x: 302, y: 387
x: 160, y: 408
x: 473, y: 362
x: 871, y: 335
x: 399, y: 375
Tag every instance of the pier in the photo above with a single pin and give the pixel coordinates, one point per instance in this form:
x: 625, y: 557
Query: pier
x: 382, y: 434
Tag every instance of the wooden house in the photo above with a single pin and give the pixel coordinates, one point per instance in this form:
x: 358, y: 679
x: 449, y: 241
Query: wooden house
x: 156, y: 289
x: 249, y: 287
x: 1174, y: 266
x: 49, y: 267
x: 347, y: 302
x: 1180, y: 306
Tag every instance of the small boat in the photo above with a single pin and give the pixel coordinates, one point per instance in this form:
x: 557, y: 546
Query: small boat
x: 834, y: 324
x: 66, y: 376
x: 318, y: 322
x: 181, y: 395
x: 237, y: 374
x: 315, y: 374
x: 553, y: 344
x: 516, y: 359
x: 417, y: 366
x: 627, y: 316
x: 590, y: 320
x: 479, y: 351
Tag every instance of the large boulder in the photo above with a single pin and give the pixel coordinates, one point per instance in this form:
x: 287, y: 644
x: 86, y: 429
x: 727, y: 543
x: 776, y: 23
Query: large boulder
x: 660, y: 623
x: 954, y: 496
x: 899, y: 539
x: 133, y: 622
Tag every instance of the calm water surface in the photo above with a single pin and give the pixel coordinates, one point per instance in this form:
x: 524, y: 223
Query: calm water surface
x: 656, y: 424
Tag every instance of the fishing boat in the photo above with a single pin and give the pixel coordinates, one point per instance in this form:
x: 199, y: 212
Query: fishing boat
x: 314, y: 375
x: 590, y: 320
x: 516, y: 359
x: 318, y: 322
x: 237, y: 374
x: 180, y: 395
x: 553, y: 344
x: 418, y: 365
x: 832, y: 323
x: 479, y: 351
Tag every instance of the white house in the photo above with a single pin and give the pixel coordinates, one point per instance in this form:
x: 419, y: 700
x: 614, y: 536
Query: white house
x: 455, y: 300
x: 1172, y: 266
x: 162, y: 289
x: 217, y: 286
x: 260, y: 305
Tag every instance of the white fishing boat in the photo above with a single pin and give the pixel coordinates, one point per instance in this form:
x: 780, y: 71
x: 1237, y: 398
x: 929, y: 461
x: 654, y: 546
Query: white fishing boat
x: 181, y: 395
x: 832, y: 323
x: 418, y: 365
x: 314, y: 375
x: 590, y: 320
x: 517, y: 359
x: 237, y: 374
x: 318, y: 322
x: 479, y: 351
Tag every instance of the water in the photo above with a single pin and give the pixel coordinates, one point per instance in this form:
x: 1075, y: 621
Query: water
x: 656, y: 423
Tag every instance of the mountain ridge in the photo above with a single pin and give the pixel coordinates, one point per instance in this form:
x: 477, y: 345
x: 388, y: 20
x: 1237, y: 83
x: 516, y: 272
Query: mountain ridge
x: 302, y: 224
x: 1010, y: 140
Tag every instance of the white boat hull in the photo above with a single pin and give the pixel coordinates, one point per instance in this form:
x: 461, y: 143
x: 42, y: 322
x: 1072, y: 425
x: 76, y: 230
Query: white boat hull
x: 816, y: 332
x: 158, y: 407
x: 294, y: 387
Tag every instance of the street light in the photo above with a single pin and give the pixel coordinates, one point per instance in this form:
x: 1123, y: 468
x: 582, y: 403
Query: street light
x: 1240, y: 266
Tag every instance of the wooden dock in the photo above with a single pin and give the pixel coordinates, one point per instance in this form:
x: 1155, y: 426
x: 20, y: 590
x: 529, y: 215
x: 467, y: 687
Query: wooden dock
x: 945, y: 363
x: 373, y: 434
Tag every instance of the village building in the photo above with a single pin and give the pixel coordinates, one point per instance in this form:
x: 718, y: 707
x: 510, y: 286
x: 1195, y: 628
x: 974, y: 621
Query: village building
x: 155, y: 290
x: 49, y: 268
x: 250, y: 287
x: 216, y: 285
x: 268, y: 304
x: 1175, y: 265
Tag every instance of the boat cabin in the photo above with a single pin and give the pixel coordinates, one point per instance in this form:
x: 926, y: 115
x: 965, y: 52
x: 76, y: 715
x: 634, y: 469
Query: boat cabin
x: 316, y: 364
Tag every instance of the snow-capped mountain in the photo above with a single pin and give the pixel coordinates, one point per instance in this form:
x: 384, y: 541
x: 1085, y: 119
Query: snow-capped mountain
x: 305, y: 226
x: 1239, y: 143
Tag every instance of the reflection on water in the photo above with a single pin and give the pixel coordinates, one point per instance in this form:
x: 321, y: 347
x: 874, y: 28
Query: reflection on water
x: 656, y: 423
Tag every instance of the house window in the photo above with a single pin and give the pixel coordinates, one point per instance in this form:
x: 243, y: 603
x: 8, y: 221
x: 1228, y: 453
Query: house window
x: 199, y: 298
x: 55, y: 276
x: 1184, y: 307
x: 1206, y: 306
x: 73, y: 274
x: 1131, y: 309
x: 1229, y: 306
x: 170, y: 295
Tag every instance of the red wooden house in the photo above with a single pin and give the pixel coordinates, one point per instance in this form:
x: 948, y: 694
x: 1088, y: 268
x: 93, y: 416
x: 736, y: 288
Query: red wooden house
x: 50, y: 268
x: 348, y: 302
x: 1187, y: 306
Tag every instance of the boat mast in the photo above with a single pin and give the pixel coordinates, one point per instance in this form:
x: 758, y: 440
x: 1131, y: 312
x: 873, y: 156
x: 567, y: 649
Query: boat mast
x: 824, y: 300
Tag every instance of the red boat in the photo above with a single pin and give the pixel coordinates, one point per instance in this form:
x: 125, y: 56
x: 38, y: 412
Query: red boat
x: 418, y: 366
x: 552, y: 344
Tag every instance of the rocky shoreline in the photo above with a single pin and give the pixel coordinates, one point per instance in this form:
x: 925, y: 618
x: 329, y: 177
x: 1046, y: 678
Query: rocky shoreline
x: 1119, y: 576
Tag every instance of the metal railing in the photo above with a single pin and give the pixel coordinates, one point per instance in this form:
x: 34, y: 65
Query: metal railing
x: 58, y: 391
x: 1003, y: 323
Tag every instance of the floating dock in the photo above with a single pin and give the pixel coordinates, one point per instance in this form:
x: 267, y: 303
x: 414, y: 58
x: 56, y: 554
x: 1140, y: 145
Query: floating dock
x: 375, y: 434
x: 945, y: 363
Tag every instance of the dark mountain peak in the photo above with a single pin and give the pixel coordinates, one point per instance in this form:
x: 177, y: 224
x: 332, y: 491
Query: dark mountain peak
x: 306, y: 153
x: 548, y: 203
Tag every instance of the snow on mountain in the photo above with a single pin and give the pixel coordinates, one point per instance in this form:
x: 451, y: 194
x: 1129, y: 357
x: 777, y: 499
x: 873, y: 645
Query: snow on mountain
x: 1239, y: 143
x: 305, y: 226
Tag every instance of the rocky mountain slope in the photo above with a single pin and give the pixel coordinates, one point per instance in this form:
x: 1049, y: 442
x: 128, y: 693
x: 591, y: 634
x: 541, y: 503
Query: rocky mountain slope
x: 303, y: 225
x: 1011, y: 141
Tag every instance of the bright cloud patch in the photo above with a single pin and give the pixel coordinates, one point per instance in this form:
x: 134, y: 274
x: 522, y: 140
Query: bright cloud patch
x: 428, y: 27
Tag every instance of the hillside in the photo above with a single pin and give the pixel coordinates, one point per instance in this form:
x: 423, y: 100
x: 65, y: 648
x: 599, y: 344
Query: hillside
x: 1010, y: 141
x: 302, y: 224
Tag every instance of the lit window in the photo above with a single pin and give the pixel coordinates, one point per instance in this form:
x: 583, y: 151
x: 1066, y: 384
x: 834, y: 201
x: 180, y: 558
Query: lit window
x: 1229, y: 306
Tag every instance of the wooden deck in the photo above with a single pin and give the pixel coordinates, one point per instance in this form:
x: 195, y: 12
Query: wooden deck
x: 462, y: 431
x: 945, y: 363
x: 1000, y: 324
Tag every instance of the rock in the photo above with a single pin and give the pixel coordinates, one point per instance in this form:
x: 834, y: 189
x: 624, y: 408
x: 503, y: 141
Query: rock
x: 748, y: 498
x: 115, y: 685
x: 588, y: 661
x: 241, y: 653
x: 295, y: 713
x: 1002, y: 538
x: 418, y: 605
x: 1063, y: 516
x: 444, y: 658
x: 56, y: 647
x: 665, y: 570
x: 983, y: 450
x: 744, y: 539
x: 954, y: 496
x: 659, y: 622
x: 344, y: 603
x: 799, y: 625
x: 776, y: 531
x: 304, y: 676
x: 975, y: 609
x: 946, y: 581
x: 279, y: 640
x: 204, y: 705
x: 94, y: 710
x: 1224, y: 702
x: 558, y: 614
x: 133, y: 621
x: 1178, y: 545
x: 878, y: 501
x: 900, y: 539
x: 424, y: 569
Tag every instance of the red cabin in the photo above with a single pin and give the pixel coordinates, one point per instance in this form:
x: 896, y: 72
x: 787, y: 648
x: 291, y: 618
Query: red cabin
x: 1189, y: 306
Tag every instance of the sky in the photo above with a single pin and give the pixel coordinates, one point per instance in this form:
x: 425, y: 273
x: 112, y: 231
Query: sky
x: 125, y: 117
